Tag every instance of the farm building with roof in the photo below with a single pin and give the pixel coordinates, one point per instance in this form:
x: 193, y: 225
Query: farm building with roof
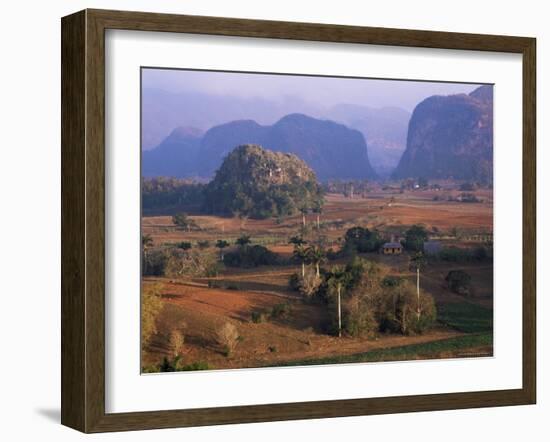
x: 392, y: 248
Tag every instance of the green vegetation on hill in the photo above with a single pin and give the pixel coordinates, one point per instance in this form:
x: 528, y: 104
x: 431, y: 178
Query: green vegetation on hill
x: 258, y: 183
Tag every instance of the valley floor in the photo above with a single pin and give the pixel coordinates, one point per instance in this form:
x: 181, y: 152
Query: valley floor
x: 200, y: 306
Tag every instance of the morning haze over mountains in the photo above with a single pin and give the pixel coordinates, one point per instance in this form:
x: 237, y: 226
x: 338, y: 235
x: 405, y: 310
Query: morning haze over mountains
x: 342, y: 128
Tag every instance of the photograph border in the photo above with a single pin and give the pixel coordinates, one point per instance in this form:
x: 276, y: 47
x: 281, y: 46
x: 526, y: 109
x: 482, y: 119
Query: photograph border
x: 83, y: 219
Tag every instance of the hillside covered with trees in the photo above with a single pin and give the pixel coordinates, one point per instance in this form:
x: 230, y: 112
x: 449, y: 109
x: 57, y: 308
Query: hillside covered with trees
x: 258, y: 183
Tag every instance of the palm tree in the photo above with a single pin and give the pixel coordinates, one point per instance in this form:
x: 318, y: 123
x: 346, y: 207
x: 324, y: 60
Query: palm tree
x: 417, y: 262
x: 336, y: 281
x: 304, y: 210
x: 317, y: 255
x: 318, y: 209
x: 221, y: 244
x: 301, y: 254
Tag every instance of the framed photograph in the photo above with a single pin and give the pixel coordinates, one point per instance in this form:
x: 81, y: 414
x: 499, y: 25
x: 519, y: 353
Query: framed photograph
x: 267, y: 220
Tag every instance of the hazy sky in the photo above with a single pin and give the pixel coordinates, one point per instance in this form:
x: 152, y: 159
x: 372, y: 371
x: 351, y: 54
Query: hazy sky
x: 325, y: 91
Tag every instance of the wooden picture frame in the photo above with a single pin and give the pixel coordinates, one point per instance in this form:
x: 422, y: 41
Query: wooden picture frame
x: 83, y: 220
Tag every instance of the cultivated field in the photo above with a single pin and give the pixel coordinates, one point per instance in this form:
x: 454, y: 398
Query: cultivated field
x: 200, y: 306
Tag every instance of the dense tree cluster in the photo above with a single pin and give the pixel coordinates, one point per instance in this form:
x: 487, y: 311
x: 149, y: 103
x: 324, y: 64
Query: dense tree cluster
x: 170, y: 194
x: 258, y: 183
x: 361, y: 240
x: 415, y: 238
x: 247, y: 255
x: 369, y: 300
x: 179, y: 260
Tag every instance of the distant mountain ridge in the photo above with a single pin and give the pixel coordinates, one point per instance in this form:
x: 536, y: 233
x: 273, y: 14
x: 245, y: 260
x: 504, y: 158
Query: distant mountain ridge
x: 332, y: 150
x: 176, y: 156
x: 384, y: 128
x: 450, y: 137
x: 163, y: 111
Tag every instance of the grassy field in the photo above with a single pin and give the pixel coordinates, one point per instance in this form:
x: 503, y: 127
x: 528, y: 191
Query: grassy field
x: 199, y: 306
x: 474, y: 345
x: 466, y: 317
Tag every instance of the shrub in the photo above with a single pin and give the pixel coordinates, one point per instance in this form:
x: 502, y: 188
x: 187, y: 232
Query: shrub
x: 403, y: 312
x: 182, y: 263
x: 176, y: 341
x: 167, y: 365
x: 196, y: 366
x: 309, y: 284
x: 459, y: 282
x: 151, y: 305
x: 227, y: 336
x: 281, y: 311
x: 258, y: 317
x: 294, y: 281
x: 150, y: 369
x: 176, y: 364
x: 358, y: 317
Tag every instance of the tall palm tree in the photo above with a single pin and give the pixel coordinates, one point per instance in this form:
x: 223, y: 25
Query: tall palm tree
x: 317, y: 255
x: 302, y: 255
x: 318, y: 209
x: 304, y: 210
x: 337, y: 281
x: 417, y: 263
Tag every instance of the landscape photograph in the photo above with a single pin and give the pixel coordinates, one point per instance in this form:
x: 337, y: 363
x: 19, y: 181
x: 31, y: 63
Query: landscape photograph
x: 297, y: 220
